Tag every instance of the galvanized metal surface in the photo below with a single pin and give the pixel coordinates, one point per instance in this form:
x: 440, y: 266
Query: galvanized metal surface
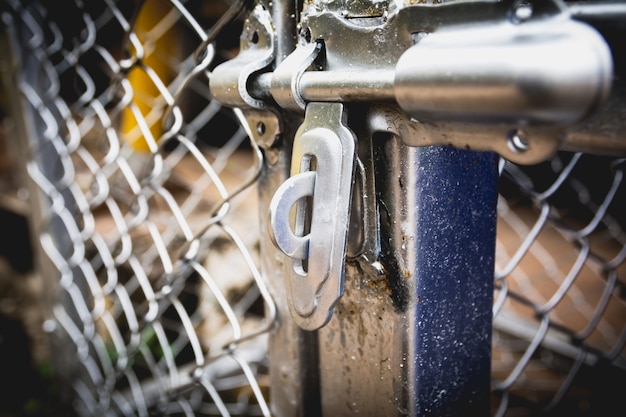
x: 501, y: 76
x: 322, y: 167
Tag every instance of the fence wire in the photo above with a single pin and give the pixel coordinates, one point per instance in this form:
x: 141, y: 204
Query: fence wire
x: 149, y: 205
x: 560, y: 305
x: 149, y: 224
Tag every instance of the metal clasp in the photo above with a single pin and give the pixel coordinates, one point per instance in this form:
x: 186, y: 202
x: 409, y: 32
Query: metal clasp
x: 320, y: 187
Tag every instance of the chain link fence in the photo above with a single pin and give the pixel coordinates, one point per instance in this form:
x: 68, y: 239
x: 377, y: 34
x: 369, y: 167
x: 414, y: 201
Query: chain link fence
x: 144, y: 199
x: 147, y: 192
x: 559, y: 328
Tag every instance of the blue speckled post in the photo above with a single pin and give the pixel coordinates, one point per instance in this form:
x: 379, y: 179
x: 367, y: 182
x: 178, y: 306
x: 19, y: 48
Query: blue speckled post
x: 456, y: 212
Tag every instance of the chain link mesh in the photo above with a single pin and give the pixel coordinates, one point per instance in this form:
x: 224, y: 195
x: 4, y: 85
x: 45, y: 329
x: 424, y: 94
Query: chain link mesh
x: 559, y: 327
x: 150, y: 226
x: 149, y: 207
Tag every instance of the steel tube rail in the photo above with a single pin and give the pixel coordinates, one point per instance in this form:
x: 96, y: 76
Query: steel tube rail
x: 335, y: 86
x: 346, y: 86
x: 488, y: 75
x: 377, y: 86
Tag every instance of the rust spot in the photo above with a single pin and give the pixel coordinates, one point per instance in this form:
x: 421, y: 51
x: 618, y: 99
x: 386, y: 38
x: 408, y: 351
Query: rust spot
x: 393, y: 284
x: 379, y: 285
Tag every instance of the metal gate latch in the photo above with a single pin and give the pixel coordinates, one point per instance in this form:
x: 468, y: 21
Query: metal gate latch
x: 320, y: 186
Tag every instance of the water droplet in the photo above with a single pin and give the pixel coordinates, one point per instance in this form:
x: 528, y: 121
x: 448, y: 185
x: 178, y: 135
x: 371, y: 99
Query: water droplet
x: 49, y: 326
x: 198, y: 373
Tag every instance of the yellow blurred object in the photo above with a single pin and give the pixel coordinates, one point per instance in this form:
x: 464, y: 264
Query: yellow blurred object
x: 160, y: 38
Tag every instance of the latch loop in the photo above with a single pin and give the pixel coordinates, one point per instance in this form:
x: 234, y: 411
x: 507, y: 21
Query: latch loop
x: 288, y: 194
x: 322, y: 167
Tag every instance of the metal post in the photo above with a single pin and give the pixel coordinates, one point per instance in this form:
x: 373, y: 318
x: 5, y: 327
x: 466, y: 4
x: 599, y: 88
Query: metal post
x: 19, y: 67
x: 294, y: 376
x: 412, y: 334
x: 455, y: 233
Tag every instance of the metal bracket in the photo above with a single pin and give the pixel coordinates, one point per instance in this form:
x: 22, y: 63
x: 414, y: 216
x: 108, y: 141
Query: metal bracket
x: 322, y: 168
x: 229, y: 81
x: 286, y: 77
